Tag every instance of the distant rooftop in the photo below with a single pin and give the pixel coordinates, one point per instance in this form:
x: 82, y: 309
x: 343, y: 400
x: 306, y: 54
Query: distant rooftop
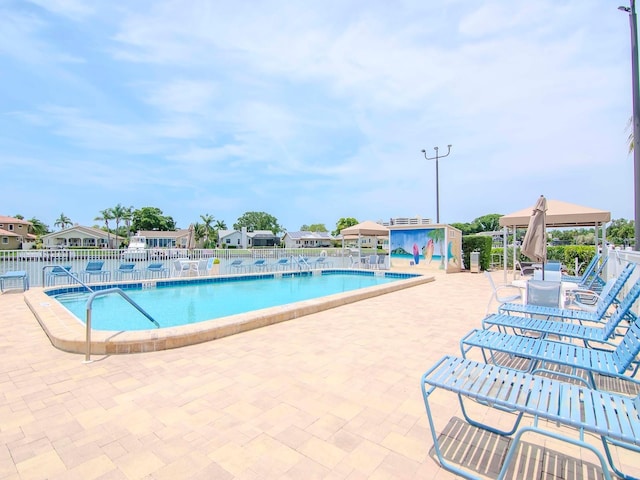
x: 407, y: 221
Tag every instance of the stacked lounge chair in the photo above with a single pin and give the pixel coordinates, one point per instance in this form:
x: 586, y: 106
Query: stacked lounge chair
x: 550, y: 389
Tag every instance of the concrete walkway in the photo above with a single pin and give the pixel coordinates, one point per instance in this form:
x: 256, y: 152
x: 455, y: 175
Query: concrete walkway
x: 333, y: 395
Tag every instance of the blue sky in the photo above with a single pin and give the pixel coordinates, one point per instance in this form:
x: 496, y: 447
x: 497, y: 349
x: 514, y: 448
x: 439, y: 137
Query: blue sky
x: 312, y: 111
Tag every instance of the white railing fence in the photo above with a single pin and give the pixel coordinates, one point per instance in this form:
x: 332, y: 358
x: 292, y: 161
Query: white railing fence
x: 33, y: 261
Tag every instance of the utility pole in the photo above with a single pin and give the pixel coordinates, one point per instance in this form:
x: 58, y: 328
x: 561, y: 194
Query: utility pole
x: 437, y: 180
x: 635, y: 91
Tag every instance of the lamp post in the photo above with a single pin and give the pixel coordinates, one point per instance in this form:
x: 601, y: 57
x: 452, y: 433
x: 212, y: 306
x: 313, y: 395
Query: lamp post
x: 635, y: 92
x: 437, y: 185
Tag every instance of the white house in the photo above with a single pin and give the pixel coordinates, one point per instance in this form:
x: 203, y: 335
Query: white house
x: 165, y: 239
x: 244, y: 239
x: 307, y: 239
x: 231, y: 239
x: 79, y: 236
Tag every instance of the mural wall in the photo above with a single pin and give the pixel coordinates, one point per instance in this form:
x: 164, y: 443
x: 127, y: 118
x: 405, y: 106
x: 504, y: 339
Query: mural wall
x: 434, y: 248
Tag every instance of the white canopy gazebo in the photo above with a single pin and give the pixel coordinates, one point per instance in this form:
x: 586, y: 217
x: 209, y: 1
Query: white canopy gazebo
x: 559, y: 215
x: 364, y: 229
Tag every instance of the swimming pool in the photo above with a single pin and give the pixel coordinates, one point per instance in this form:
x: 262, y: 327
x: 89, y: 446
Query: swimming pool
x: 66, y: 332
x: 174, y: 304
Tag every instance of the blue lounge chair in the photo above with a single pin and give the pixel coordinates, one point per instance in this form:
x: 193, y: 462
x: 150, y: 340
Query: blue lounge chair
x: 157, y: 269
x: 259, y: 265
x: 280, y: 264
x: 237, y: 266
x: 608, y: 298
x: 587, y: 272
x: 595, y: 281
x: 614, y: 418
x: 595, y: 331
x: 57, y: 272
x: 94, y: 269
x: 321, y: 262
x: 615, y: 361
x: 126, y: 269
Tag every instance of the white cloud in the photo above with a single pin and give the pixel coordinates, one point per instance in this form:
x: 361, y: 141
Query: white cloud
x: 74, y: 9
x: 326, y: 98
x: 183, y: 96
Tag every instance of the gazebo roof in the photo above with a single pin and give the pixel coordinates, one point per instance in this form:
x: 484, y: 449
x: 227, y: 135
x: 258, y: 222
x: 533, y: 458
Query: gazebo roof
x: 367, y: 229
x: 559, y: 214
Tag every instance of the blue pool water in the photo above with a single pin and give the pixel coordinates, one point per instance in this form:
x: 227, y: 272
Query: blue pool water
x: 181, y: 303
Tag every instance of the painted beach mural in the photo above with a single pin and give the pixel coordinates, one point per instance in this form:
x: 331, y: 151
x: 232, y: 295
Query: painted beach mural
x: 426, y: 248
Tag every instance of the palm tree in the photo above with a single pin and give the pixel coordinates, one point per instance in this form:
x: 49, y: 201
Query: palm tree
x: 219, y: 225
x: 207, y: 222
x: 38, y: 227
x: 63, y: 221
x: 199, y: 232
x: 105, y: 216
x: 127, y: 216
x: 118, y: 213
x: 437, y: 235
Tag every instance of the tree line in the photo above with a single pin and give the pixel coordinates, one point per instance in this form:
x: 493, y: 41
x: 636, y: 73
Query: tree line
x: 123, y: 221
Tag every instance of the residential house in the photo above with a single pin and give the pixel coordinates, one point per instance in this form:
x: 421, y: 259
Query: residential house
x: 79, y: 236
x: 15, y: 233
x: 244, y: 239
x: 230, y: 239
x: 262, y: 238
x: 165, y: 238
x: 307, y: 239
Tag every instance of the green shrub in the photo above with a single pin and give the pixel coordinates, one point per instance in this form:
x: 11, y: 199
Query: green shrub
x: 482, y: 244
x: 565, y: 254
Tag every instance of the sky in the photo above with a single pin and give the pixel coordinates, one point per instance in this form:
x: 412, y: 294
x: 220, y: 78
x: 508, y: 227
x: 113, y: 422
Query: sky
x: 313, y: 111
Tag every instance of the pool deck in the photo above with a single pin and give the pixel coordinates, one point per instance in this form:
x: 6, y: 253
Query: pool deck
x: 331, y: 395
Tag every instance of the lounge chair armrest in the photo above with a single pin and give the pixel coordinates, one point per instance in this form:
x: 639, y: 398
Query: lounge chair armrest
x: 586, y: 297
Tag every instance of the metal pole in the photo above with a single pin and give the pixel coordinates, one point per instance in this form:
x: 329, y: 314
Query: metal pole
x: 635, y: 91
x: 437, y: 178
x: 636, y: 120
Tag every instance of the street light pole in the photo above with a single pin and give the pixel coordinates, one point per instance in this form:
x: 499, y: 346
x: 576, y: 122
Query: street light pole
x: 437, y: 178
x: 635, y: 92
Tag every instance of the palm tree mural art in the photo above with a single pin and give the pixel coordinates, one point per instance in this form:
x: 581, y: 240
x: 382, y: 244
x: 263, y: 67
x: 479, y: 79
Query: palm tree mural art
x: 436, y: 236
x: 419, y: 246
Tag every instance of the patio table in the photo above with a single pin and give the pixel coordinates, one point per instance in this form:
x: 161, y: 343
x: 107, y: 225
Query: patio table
x: 15, y: 275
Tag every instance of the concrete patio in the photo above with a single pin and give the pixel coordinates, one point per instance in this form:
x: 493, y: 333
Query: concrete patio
x: 332, y: 395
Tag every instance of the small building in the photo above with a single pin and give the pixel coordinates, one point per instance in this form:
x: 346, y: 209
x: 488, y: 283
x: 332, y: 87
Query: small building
x: 262, y: 238
x: 422, y: 247
x: 15, y: 233
x: 79, y: 236
x: 406, y: 221
x: 244, y: 239
x: 307, y: 240
x: 165, y: 238
x: 230, y: 238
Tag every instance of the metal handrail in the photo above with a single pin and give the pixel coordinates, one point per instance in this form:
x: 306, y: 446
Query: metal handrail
x: 100, y: 293
x: 302, y: 262
x: 66, y: 272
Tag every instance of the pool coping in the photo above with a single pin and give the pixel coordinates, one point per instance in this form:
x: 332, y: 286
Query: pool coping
x: 67, y: 333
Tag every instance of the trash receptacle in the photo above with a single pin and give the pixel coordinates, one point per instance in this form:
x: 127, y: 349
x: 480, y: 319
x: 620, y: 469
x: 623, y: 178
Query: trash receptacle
x: 475, y: 262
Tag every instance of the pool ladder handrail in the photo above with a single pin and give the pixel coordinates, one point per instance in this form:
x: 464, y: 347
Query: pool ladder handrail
x: 303, y: 262
x: 100, y: 293
x: 67, y: 273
